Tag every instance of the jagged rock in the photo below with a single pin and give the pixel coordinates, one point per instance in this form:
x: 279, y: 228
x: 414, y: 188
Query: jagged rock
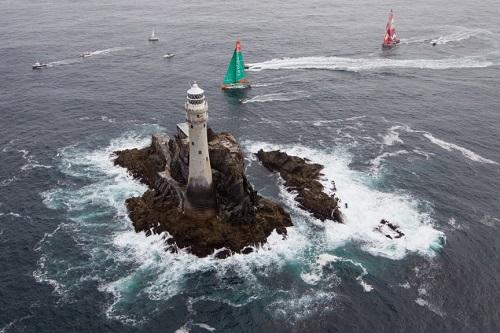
x: 303, y: 177
x: 244, y: 218
x: 393, y: 229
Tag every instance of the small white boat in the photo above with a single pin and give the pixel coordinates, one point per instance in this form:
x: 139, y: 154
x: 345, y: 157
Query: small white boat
x: 86, y: 54
x: 38, y: 65
x: 153, y: 37
x: 169, y: 55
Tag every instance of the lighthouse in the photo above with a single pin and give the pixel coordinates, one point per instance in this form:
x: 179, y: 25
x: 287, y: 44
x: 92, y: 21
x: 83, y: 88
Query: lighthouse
x: 200, y: 197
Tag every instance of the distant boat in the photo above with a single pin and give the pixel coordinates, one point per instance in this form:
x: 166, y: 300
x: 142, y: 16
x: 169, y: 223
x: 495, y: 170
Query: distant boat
x: 38, y: 65
x: 390, y: 39
x: 153, y: 37
x: 169, y: 55
x: 235, y: 76
x: 86, y: 54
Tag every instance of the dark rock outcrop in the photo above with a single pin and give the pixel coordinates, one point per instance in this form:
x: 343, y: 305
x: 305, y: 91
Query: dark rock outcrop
x: 244, y: 218
x: 303, y: 177
x: 392, y: 231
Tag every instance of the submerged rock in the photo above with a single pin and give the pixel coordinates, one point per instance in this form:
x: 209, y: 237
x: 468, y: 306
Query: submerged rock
x: 244, y: 218
x: 302, y: 177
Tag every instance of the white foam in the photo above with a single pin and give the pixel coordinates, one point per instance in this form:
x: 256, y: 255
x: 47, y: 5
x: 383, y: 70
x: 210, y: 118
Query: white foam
x: 9, y: 145
x: 139, y: 269
x: 110, y: 50
x: 183, y: 329
x: 294, y: 308
x: 405, y: 285
x: 392, y: 136
x: 368, y: 64
x: 377, y: 161
x: 8, y: 181
x: 465, y: 152
x: 261, y: 85
x: 204, y: 326
x: 422, y: 302
x: 107, y: 119
x: 367, y: 206
x: 152, y: 272
x: 316, y: 275
x: 281, y: 97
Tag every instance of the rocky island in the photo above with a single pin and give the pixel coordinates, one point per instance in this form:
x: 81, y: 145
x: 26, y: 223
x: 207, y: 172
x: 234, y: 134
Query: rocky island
x: 198, y: 191
x: 303, y: 177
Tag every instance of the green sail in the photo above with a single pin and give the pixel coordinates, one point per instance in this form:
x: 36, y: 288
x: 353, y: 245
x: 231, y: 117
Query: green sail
x: 236, y: 69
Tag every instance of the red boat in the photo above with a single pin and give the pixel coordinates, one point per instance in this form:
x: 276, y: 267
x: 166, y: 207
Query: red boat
x: 390, y: 39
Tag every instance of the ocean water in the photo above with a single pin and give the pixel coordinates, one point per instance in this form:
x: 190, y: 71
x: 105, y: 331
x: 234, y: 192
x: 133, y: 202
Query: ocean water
x: 411, y: 135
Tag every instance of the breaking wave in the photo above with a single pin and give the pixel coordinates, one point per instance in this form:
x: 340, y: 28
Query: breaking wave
x: 139, y: 273
x: 367, y: 206
x: 281, y: 97
x: 368, y: 64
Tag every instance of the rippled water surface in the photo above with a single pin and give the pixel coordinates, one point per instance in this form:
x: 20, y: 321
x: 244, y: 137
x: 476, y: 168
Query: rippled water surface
x: 410, y: 135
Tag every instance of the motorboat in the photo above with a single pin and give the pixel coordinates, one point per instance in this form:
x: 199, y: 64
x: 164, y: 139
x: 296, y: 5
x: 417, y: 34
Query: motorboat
x: 38, y: 65
x: 169, y: 55
x: 153, y: 37
x: 86, y: 54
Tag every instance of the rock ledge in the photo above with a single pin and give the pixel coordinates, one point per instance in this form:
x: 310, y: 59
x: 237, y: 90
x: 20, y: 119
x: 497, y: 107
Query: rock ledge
x: 244, y: 219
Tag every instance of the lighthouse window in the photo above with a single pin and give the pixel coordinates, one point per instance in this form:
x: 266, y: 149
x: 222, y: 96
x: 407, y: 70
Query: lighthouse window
x: 197, y: 116
x: 203, y: 125
x: 199, y: 152
x: 191, y: 126
x: 192, y: 143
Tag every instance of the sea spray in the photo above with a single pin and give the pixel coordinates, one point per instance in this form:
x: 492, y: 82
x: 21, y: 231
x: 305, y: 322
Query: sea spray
x: 137, y: 270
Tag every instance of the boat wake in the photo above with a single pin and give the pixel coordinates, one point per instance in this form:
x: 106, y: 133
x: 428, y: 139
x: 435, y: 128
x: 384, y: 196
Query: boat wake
x: 75, y: 60
x: 368, y: 64
x: 454, y: 34
x: 281, y: 97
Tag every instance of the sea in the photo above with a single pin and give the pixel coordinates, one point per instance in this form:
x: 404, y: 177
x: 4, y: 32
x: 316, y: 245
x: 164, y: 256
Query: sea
x: 410, y: 135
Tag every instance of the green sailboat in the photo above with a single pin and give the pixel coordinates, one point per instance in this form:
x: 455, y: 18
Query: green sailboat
x: 235, y: 76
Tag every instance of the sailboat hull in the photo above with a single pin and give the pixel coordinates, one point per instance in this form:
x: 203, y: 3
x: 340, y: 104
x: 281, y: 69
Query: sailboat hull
x: 232, y: 86
x: 389, y: 46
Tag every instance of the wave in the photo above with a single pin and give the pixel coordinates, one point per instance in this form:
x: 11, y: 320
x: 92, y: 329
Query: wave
x: 138, y: 269
x: 139, y: 274
x: 281, y: 97
x: 377, y: 161
x: 451, y: 146
x: 367, y: 206
x: 392, y: 136
x: 368, y: 64
x: 317, y: 274
x: 439, y: 142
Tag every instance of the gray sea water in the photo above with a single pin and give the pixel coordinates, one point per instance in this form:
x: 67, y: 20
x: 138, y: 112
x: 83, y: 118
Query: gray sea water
x: 410, y: 135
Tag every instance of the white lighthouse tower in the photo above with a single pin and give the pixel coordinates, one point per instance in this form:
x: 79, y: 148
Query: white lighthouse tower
x: 200, y: 197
